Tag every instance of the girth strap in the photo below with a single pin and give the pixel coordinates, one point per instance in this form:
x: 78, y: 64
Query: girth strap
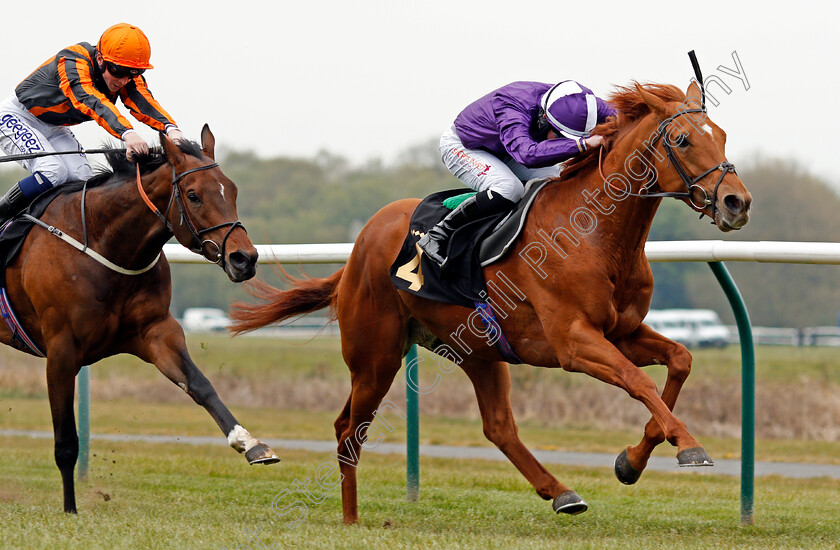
x: 92, y: 253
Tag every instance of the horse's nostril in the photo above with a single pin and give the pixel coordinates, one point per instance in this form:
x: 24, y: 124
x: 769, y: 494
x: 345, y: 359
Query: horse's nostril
x: 238, y: 260
x: 241, y: 260
x: 733, y: 203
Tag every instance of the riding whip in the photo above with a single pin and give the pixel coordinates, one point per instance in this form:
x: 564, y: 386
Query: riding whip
x: 27, y: 156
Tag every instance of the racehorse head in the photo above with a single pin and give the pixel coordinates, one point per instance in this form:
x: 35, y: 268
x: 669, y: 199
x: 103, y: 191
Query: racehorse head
x: 697, y: 171
x: 206, y: 221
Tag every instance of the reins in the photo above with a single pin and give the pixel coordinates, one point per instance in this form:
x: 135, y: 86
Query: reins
x: 151, y: 205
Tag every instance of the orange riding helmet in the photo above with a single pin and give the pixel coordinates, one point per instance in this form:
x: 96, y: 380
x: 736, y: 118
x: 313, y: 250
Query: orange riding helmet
x: 125, y: 45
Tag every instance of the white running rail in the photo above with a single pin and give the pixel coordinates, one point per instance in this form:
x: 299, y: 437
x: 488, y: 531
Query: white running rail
x: 657, y: 251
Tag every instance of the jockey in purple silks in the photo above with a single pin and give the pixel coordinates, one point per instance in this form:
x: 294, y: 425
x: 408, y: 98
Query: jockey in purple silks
x: 512, y: 135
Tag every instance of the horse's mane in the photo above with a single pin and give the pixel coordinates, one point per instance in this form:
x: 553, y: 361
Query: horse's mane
x: 118, y: 165
x: 630, y: 108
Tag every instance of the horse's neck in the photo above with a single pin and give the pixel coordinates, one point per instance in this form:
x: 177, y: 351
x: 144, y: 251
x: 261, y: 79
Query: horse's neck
x: 629, y: 224
x: 124, y: 224
x: 588, y: 209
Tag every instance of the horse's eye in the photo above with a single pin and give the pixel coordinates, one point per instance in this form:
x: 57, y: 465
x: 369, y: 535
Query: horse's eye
x: 682, y: 141
x: 193, y: 198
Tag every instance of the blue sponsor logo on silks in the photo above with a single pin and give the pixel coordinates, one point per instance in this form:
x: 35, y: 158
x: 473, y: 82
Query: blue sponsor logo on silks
x: 23, y: 135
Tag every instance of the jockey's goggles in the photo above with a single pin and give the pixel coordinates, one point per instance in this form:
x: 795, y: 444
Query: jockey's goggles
x: 118, y: 71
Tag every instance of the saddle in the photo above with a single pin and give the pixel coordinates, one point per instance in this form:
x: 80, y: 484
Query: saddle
x: 496, y: 245
x: 472, y: 247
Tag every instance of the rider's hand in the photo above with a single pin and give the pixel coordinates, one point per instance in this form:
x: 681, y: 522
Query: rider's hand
x: 134, y: 144
x: 594, y: 141
x: 175, y: 134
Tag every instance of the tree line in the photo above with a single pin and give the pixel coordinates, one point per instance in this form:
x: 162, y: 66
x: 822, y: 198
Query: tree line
x: 326, y: 199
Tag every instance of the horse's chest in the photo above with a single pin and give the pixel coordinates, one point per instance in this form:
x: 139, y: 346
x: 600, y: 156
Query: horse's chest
x: 630, y: 300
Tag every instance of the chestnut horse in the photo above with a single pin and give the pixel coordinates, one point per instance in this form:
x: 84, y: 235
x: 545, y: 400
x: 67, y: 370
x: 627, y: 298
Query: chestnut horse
x: 571, y: 294
x: 79, y: 310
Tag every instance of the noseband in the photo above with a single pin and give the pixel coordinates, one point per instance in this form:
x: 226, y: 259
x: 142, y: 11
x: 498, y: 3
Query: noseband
x: 199, y: 245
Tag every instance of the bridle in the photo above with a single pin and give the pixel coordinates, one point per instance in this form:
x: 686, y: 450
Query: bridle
x: 199, y: 245
x: 691, y: 184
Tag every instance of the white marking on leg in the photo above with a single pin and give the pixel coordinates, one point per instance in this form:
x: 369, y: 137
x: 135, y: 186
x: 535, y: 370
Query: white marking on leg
x: 708, y: 128
x: 183, y: 387
x: 240, y: 439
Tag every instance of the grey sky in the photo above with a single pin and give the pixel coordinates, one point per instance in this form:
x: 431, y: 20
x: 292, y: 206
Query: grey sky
x: 369, y: 79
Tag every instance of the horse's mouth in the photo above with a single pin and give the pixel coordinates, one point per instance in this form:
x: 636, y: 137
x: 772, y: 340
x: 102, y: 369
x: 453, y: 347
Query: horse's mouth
x: 727, y: 226
x: 239, y: 276
x: 727, y: 223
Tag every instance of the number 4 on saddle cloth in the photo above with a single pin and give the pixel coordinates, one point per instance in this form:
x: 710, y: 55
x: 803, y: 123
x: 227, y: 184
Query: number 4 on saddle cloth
x: 472, y: 247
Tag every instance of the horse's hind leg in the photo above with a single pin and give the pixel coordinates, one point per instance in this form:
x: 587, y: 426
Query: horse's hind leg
x: 61, y: 384
x: 164, y: 346
x: 492, y: 389
x: 647, y: 347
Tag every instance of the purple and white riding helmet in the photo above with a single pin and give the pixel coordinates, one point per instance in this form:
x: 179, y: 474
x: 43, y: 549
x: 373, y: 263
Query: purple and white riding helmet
x: 573, y: 110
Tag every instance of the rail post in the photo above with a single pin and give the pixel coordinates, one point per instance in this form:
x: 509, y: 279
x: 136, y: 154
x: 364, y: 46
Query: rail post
x: 742, y: 319
x: 412, y: 437
x: 83, y: 463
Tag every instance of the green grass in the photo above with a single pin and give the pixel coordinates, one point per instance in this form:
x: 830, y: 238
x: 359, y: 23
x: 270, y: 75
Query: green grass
x: 184, y: 496
x: 134, y: 417
x: 161, y: 496
x: 262, y: 361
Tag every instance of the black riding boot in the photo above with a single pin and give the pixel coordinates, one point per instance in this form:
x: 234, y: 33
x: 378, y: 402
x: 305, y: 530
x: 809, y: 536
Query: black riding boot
x: 21, y: 194
x: 435, y: 243
x: 11, y: 203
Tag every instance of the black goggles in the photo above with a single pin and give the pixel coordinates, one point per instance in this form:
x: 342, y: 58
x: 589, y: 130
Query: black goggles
x: 118, y: 71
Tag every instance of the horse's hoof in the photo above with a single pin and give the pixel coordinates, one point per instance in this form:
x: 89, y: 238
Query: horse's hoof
x: 694, y: 457
x: 626, y: 473
x: 569, y: 503
x: 261, y: 454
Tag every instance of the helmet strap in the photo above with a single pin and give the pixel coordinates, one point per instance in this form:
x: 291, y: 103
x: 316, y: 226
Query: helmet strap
x: 543, y: 126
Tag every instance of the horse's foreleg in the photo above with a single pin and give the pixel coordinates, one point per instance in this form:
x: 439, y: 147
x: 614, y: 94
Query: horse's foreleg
x: 61, y: 385
x: 492, y: 389
x: 584, y: 349
x: 647, y: 347
x: 165, y: 347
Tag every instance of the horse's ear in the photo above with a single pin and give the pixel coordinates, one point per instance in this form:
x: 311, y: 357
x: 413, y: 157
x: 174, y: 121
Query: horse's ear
x: 695, y: 93
x: 657, y: 105
x: 173, y: 154
x: 208, y: 142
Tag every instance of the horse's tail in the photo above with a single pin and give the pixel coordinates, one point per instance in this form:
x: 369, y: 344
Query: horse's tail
x: 306, y: 296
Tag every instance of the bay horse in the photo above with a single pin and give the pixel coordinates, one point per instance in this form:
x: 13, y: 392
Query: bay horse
x: 571, y: 294
x: 79, y: 310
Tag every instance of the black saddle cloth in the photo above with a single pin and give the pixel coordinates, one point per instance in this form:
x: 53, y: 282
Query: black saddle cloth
x: 15, y: 232
x: 473, y: 246
x: 461, y: 281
